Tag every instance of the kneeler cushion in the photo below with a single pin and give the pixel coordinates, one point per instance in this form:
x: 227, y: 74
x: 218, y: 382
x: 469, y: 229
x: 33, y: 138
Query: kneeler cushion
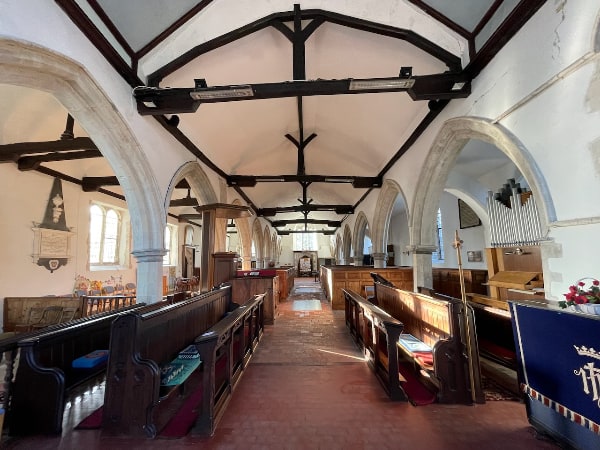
x: 91, y: 360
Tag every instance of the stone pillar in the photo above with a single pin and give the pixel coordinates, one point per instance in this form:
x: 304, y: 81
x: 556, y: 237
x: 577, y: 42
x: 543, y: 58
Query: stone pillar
x: 266, y: 263
x: 422, y: 268
x: 246, y: 262
x: 149, y: 275
x: 379, y: 260
x: 340, y: 262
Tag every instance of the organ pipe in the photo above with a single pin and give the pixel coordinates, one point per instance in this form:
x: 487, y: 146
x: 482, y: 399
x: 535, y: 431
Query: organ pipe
x: 518, y: 224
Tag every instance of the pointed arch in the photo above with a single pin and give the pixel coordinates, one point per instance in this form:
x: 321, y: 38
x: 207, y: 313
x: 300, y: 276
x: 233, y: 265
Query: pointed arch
x: 257, y: 238
x: 360, y: 226
x: 198, y: 181
x: 32, y: 66
x: 451, y: 139
x: 245, y: 236
x: 384, y: 207
x: 347, y: 244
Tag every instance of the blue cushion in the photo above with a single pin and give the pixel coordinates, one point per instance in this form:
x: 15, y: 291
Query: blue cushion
x: 91, y: 360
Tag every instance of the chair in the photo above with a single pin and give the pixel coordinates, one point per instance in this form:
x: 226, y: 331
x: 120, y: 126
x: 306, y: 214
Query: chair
x: 80, y: 293
x: 130, y: 288
x: 130, y: 291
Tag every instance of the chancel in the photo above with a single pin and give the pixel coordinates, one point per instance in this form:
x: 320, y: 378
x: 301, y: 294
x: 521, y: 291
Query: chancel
x: 260, y: 199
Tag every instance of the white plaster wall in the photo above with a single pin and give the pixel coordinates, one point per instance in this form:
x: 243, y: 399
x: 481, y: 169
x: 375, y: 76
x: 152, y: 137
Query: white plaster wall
x: 20, y: 276
x: 400, y: 239
x: 473, y: 238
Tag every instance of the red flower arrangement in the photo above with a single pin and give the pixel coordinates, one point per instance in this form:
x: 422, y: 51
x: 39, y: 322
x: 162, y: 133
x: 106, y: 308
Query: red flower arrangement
x: 578, y: 294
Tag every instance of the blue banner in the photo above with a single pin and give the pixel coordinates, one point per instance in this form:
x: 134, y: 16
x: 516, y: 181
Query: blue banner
x: 559, y: 354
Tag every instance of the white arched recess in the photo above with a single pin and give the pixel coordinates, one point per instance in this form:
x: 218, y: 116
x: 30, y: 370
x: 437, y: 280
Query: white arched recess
x: 257, y: 237
x: 200, y: 186
x: 381, y: 222
x: 267, y: 247
x: 339, y: 256
x: 358, y: 243
x: 477, y: 207
x: 347, y: 244
x: 452, y: 137
x: 31, y: 66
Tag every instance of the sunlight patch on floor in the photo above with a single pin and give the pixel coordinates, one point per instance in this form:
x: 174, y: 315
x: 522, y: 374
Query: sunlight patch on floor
x: 307, y: 305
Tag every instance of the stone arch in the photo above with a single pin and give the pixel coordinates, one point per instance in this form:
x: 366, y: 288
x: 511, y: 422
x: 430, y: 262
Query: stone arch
x: 381, y: 222
x: 267, y: 246
x: 453, y: 136
x: 198, y: 181
x: 360, y: 226
x: 347, y: 244
x: 338, y: 250
x: 451, y: 139
x: 257, y: 238
x: 32, y: 66
x: 243, y: 227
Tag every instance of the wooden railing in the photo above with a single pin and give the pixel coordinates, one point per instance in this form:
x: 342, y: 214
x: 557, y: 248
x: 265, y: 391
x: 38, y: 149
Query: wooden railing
x: 376, y: 333
x: 225, y: 350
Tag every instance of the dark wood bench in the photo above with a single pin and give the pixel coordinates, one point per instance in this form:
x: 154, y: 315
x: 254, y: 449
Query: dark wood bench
x: 376, y: 333
x: 134, y: 403
x: 45, y: 374
x: 226, y: 349
x: 440, y: 324
x: 494, y: 330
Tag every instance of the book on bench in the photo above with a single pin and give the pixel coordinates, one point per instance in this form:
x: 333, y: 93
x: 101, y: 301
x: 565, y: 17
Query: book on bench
x: 412, y: 344
x: 178, y: 370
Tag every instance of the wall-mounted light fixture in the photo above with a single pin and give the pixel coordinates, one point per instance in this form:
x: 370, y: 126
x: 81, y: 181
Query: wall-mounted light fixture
x: 381, y: 84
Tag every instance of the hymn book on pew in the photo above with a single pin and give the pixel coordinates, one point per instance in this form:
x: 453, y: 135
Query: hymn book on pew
x: 412, y: 344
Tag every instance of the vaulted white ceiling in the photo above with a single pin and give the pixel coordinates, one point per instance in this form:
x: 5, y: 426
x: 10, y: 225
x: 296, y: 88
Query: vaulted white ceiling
x: 356, y: 135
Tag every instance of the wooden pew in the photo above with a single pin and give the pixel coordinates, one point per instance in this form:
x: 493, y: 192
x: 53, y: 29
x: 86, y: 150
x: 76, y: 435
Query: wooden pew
x: 376, y: 334
x: 134, y: 404
x: 440, y: 324
x: 494, y: 330
x: 226, y: 349
x: 45, y: 374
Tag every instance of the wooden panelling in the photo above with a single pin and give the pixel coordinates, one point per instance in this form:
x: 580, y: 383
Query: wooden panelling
x: 447, y: 281
x: 336, y: 278
x: 246, y: 287
x: 16, y: 309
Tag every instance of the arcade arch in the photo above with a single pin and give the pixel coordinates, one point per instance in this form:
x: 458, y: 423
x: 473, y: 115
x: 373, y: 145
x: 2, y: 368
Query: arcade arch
x: 31, y: 66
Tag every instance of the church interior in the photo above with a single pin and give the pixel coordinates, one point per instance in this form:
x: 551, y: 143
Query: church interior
x: 198, y: 190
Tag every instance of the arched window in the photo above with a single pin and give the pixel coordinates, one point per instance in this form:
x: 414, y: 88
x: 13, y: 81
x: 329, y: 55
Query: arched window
x: 105, y: 235
x: 438, y: 255
x: 305, y: 241
x: 170, y: 245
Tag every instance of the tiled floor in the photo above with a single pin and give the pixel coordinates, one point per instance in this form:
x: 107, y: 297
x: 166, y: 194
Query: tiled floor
x: 307, y: 387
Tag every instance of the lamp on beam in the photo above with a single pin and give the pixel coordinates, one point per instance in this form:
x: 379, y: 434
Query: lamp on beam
x: 202, y: 92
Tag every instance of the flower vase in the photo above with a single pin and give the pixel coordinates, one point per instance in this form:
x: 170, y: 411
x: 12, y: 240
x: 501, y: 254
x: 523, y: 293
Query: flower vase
x: 591, y: 308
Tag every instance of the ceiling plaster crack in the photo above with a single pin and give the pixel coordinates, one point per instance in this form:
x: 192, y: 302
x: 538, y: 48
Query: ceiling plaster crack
x: 560, y: 8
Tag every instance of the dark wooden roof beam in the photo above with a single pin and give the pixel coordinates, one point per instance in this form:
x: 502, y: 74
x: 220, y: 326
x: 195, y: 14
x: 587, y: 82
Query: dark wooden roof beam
x: 12, y: 152
x: 33, y: 162
x: 338, y: 209
x: 161, y: 101
x: 91, y: 184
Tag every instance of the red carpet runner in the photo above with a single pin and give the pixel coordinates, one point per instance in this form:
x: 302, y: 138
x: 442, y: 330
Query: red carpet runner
x: 417, y: 394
